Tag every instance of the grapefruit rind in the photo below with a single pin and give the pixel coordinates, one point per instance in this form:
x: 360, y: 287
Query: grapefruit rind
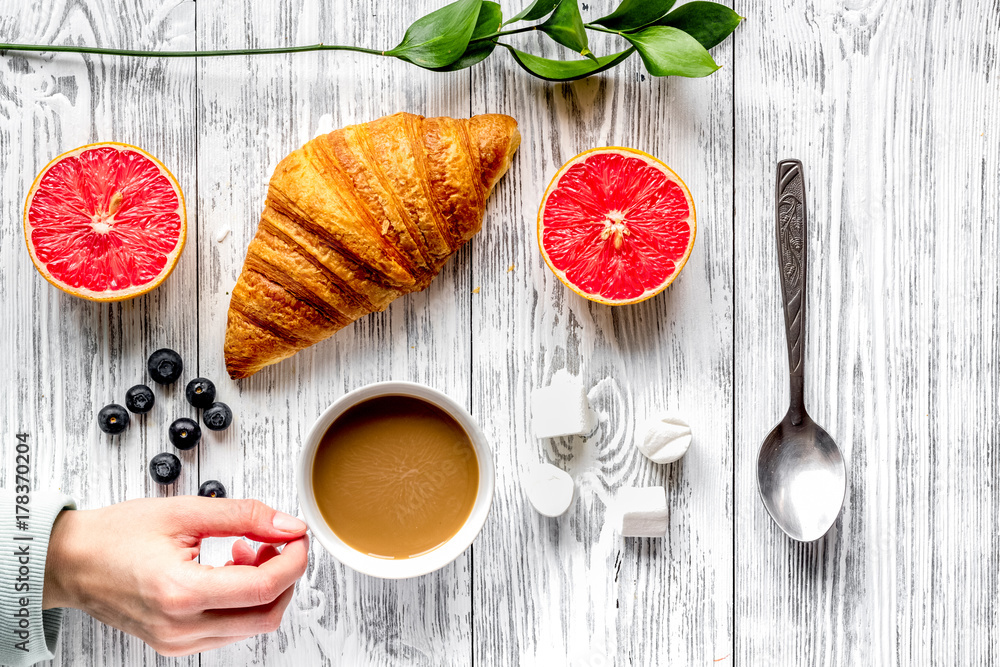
x: 649, y: 159
x: 117, y: 295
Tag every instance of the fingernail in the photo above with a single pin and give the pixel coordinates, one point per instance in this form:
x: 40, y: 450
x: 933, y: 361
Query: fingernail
x: 287, y: 523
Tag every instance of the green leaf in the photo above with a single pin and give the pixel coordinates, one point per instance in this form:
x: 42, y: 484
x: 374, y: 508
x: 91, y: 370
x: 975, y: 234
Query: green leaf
x: 534, y: 11
x: 671, y: 52
x: 707, y: 22
x: 566, y: 70
x: 488, y: 23
x: 441, y: 37
x: 566, y: 27
x: 632, y: 14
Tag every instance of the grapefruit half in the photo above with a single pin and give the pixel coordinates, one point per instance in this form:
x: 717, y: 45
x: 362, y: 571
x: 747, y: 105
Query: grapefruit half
x: 105, y: 222
x: 616, y: 225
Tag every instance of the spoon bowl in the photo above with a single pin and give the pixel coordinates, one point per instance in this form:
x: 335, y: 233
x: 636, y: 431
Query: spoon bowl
x: 802, y: 478
x: 801, y: 474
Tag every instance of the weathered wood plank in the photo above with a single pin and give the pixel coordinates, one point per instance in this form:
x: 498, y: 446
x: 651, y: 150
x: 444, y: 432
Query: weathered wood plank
x: 251, y: 113
x: 569, y: 590
x: 893, y: 110
x: 66, y: 357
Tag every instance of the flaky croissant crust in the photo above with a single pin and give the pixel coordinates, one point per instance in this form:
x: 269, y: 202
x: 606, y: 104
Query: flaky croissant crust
x: 356, y: 218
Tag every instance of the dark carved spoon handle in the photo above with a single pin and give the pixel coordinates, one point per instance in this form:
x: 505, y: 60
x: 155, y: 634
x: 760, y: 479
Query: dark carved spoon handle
x: 790, y: 224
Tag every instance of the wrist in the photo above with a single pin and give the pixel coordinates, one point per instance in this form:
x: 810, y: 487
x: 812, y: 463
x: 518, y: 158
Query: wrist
x: 57, y: 590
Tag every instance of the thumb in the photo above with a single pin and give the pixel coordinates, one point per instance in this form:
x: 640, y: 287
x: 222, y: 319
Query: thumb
x: 225, y: 517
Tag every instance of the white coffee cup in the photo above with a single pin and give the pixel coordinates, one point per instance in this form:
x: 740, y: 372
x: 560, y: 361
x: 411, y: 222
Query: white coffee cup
x: 399, y: 568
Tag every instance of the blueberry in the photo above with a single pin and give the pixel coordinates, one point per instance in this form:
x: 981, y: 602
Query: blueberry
x: 185, y: 433
x: 165, y: 366
x: 139, y: 399
x: 212, y: 489
x: 113, y: 419
x: 164, y: 468
x: 218, y: 417
x: 200, y: 392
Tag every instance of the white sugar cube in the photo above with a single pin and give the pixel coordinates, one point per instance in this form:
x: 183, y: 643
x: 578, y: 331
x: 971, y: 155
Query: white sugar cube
x: 663, y: 439
x: 561, y: 408
x: 549, y: 489
x: 643, y: 511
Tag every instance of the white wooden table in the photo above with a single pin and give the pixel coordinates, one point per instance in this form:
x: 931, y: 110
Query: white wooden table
x: 892, y: 106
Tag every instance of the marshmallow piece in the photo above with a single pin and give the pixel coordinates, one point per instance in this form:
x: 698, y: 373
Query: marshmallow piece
x: 561, y: 408
x: 663, y: 439
x: 549, y: 489
x: 643, y: 511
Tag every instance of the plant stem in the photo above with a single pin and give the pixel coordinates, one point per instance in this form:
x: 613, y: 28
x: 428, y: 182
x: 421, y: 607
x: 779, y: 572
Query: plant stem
x: 181, y: 54
x: 502, y: 33
x: 225, y: 52
x: 591, y: 26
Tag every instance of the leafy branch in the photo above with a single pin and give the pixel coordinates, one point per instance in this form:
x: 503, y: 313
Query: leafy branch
x: 466, y: 32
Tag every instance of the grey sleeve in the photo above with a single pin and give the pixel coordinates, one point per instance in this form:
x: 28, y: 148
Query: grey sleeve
x: 27, y: 634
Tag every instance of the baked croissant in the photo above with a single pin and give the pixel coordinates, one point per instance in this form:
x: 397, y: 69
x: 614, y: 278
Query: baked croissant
x: 356, y: 218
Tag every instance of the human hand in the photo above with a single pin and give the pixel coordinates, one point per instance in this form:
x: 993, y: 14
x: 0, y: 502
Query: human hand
x: 132, y: 566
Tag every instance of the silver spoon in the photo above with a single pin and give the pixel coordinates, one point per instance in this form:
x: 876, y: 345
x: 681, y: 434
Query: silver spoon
x: 800, y: 470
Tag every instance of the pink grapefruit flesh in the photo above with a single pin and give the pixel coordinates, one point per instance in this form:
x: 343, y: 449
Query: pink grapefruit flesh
x: 616, y: 225
x: 105, y: 222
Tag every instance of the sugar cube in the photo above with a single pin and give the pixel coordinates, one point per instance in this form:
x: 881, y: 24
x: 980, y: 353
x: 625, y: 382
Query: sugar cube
x: 643, y: 511
x: 561, y: 408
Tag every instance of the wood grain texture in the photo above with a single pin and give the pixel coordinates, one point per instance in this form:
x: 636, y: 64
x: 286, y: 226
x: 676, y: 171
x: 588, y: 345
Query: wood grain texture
x: 564, y: 590
x: 251, y: 113
x: 64, y: 357
x: 892, y: 107
x: 570, y: 590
